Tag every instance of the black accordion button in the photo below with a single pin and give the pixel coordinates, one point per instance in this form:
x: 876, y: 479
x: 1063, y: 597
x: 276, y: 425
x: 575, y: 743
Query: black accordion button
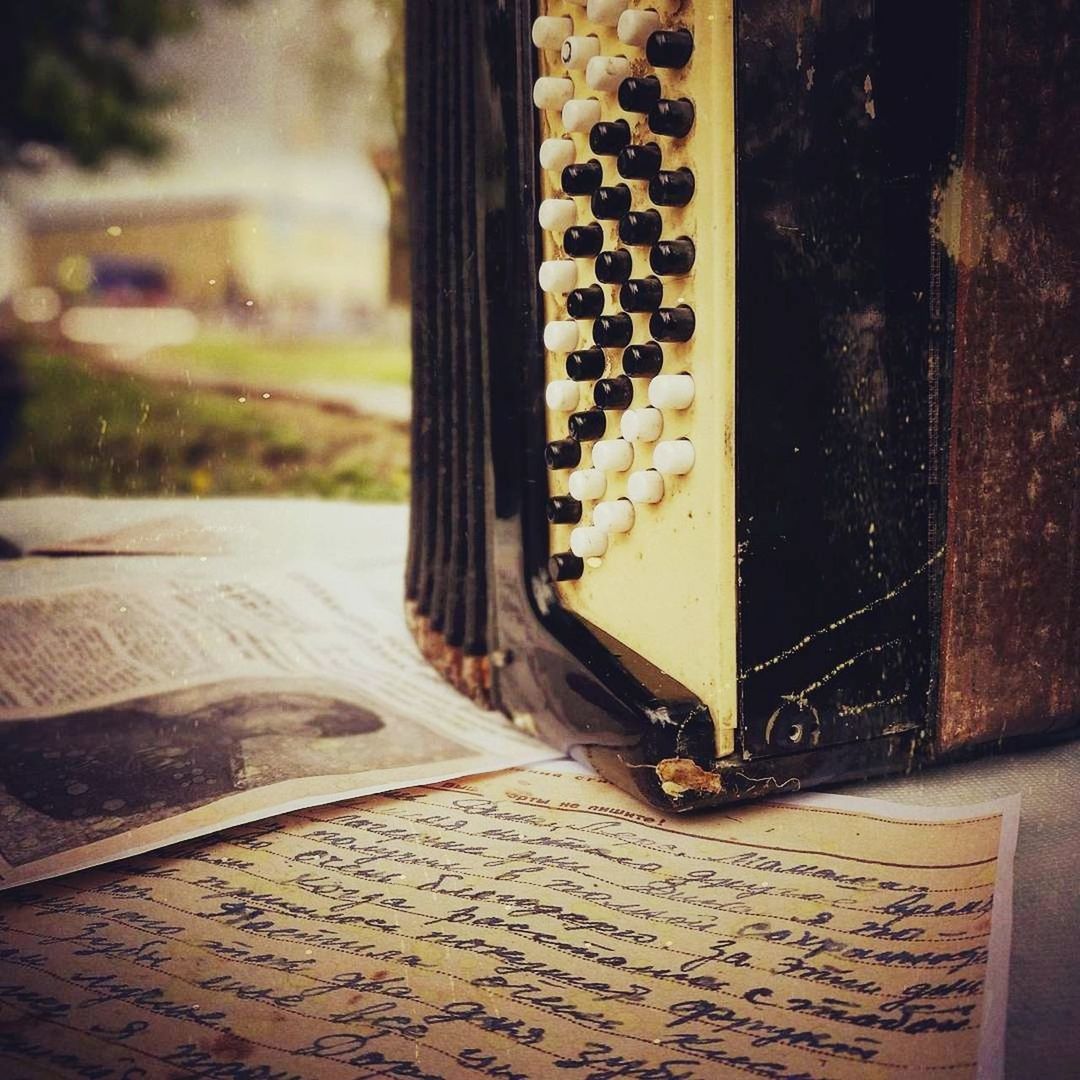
x: 643, y: 361
x: 585, y: 364
x: 639, y: 94
x: 675, y: 188
x: 581, y: 241
x: 613, y: 331
x: 641, y: 294
x: 673, y: 324
x: 639, y: 162
x: 588, y: 425
x: 614, y: 267
x: 671, y: 257
x: 565, y: 566
x: 674, y: 118
x: 614, y: 393
x: 582, y: 179
x: 669, y: 48
x: 610, y: 202
x: 563, y: 454
x: 563, y: 510
x: 608, y: 137
x: 641, y: 227
x: 585, y: 303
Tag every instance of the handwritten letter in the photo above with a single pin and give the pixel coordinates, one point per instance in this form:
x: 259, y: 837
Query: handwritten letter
x: 530, y: 924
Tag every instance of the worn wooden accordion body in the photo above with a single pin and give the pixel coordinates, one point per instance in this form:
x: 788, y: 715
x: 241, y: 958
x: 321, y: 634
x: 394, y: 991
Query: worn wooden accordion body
x: 745, y: 396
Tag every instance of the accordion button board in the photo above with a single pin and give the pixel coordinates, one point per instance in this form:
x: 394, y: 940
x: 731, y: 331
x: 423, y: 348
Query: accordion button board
x: 635, y: 106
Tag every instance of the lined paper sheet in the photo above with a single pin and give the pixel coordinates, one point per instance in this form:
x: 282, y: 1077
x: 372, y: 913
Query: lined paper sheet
x: 528, y: 924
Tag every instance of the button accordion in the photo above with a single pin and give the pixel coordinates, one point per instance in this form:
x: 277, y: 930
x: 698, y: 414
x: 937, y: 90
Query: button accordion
x: 745, y: 380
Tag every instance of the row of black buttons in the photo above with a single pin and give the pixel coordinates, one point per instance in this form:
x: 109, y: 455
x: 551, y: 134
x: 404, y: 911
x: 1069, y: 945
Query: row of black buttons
x: 615, y: 267
x: 637, y: 294
x: 667, y: 187
x: 587, y: 426
x: 669, y: 48
x: 668, y: 258
x: 669, y: 117
x: 673, y: 117
x: 642, y: 361
x: 665, y: 324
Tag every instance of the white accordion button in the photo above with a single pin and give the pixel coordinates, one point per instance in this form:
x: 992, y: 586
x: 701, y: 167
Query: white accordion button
x: 646, y: 486
x: 635, y: 27
x: 548, y: 31
x: 643, y: 425
x: 613, y: 455
x: 561, y: 336
x: 588, y: 542
x: 616, y: 516
x: 552, y: 92
x: 604, y: 73
x: 587, y: 484
x: 556, y: 154
x: 563, y: 395
x: 671, y: 391
x: 578, y: 51
x: 557, y: 214
x: 606, y: 12
x: 558, y: 275
x: 579, y: 114
x: 674, y: 457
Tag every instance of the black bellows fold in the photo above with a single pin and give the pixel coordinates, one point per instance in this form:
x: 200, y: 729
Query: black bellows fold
x: 447, y: 558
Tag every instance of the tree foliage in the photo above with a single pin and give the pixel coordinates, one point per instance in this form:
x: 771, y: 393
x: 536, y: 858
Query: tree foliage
x: 73, y: 76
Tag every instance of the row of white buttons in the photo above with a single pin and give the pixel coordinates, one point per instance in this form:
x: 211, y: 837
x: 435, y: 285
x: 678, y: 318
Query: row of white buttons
x: 675, y: 457
x: 556, y: 154
x: 665, y: 392
x: 563, y: 335
x: 552, y: 93
x: 557, y: 214
x: 582, y: 52
x: 558, y: 275
x: 632, y: 27
x: 618, y: 515
x: 614, y: 516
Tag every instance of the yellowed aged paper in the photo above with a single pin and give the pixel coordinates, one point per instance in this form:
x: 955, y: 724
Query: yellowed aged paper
x: 528, y: 924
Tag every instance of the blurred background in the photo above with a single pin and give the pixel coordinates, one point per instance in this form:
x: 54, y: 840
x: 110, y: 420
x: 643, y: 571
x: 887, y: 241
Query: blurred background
x: 203, y: 262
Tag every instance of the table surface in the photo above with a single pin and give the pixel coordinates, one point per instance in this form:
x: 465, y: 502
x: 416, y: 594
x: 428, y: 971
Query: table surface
x: 1044, y: 980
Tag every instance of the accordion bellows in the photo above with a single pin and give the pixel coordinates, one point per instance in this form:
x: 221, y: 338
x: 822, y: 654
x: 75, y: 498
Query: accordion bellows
x: 745, y: 381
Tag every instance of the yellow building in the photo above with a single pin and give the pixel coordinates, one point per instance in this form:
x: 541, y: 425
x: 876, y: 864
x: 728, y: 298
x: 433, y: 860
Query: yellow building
x: 308, y: 245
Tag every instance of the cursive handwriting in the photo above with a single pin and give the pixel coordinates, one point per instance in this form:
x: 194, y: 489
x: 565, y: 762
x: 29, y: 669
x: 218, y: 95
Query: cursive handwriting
x: 501, y: 929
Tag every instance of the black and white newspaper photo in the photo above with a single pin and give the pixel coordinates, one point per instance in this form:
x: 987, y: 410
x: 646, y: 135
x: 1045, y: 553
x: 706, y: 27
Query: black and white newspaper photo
x: 181, y: 702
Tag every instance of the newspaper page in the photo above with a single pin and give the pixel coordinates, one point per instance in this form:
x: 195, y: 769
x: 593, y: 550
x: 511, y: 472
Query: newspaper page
x: 532, y: 924
x: 147, y: 700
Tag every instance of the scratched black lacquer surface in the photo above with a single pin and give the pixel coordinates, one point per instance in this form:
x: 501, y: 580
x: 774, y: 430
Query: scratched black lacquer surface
x: 845, y: 125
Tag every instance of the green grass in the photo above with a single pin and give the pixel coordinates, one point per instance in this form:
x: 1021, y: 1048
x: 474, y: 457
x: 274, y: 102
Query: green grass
x: 269, y: 363
x: 91, y: 432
